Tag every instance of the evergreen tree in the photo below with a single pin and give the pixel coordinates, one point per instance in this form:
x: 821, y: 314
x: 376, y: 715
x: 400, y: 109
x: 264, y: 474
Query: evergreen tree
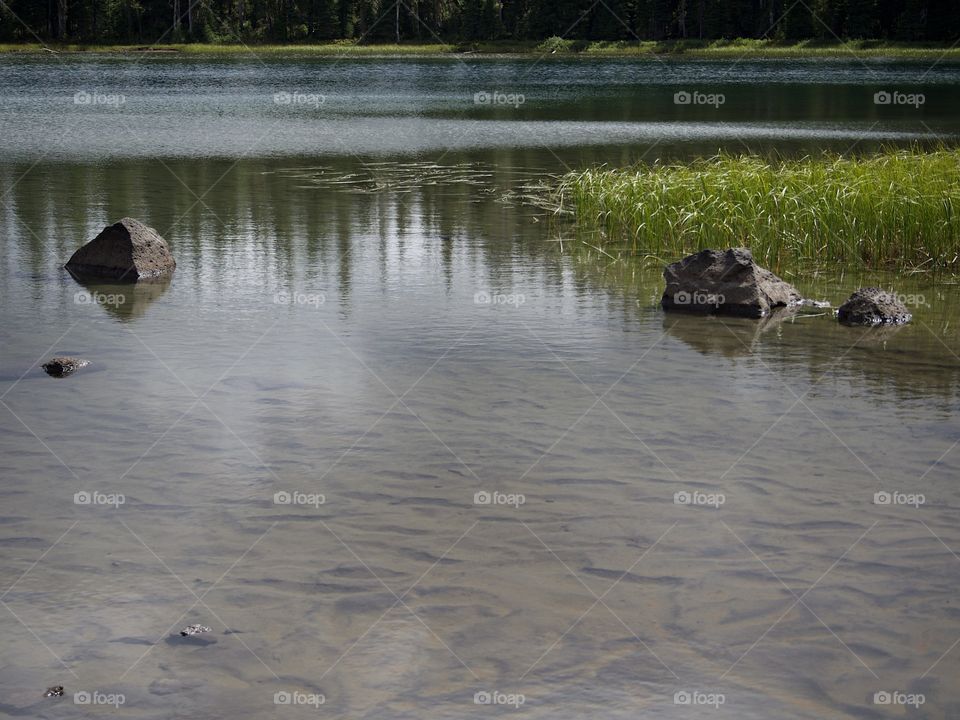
x: 489, y: 20
x: 798, y: 23
x: 347, y: 16
x: 861, y: 21
x: 146, y: 21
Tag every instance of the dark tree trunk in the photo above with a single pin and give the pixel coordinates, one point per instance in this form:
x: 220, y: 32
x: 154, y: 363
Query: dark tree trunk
x: 61, y: 19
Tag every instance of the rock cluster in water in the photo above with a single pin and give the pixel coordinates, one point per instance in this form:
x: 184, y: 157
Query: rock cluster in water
x: 127, y: 250
x: 729, y: 282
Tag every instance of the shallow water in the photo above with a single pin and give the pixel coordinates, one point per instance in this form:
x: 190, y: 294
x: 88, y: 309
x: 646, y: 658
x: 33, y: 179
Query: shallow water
x: 326, y: 332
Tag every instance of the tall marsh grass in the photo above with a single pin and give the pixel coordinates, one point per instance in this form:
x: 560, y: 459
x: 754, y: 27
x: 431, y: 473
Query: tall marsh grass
x: 899, y: 208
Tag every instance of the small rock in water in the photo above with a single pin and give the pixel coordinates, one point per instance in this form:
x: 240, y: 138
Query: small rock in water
x: 63, y: 366
x: 194, y: 630
x: 55, y: 691
x: 873, y: 306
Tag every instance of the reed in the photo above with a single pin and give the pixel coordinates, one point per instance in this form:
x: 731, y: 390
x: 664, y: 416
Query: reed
x: 894, y: 209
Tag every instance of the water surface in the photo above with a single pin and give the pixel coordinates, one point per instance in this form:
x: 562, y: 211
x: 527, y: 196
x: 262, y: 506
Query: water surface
x: 327, y: 332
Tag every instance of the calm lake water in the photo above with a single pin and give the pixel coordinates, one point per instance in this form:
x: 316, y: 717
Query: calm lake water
x: 368, y: 311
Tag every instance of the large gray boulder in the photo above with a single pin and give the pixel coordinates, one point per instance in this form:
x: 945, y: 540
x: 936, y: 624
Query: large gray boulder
x: 725, y: 282
x: 127, y: 250
x: 873, y: 306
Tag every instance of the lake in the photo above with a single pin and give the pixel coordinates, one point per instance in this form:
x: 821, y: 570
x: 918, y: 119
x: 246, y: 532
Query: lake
x: 408, y: 459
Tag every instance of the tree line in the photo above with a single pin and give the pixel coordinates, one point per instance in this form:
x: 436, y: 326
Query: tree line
x: 280, y: 21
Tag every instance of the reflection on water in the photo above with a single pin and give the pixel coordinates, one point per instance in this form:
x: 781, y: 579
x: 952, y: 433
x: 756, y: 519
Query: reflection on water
x: 885, y: 361
x: 196, y: 107
x: 124, y: 301
x: 401, y: 339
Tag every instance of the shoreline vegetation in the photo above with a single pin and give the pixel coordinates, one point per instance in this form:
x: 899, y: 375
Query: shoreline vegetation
x: 893, y: 210
x: 716, y: 49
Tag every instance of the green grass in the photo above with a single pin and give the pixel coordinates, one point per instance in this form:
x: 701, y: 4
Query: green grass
x: 896, y: 209
x: 717, y: 49
x: 238, y: 50
x: 750, y: 48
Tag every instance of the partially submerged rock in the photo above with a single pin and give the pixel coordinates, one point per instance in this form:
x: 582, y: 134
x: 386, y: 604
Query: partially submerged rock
x: 55, y: 691
x: 127, y: 250
x: 190, y: 630
x: 726, y: 282
x: 63, y: 366
x: 873, y: 306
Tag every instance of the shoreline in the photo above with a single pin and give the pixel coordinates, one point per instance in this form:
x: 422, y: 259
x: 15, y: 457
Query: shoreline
x: 714, y: 50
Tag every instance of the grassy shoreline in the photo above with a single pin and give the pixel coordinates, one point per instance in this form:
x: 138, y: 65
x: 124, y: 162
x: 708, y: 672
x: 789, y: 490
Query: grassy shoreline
x: 719, y: 49
x: 898, y: 209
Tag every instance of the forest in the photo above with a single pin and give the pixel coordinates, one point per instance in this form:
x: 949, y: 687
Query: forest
x: 373, y: 21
